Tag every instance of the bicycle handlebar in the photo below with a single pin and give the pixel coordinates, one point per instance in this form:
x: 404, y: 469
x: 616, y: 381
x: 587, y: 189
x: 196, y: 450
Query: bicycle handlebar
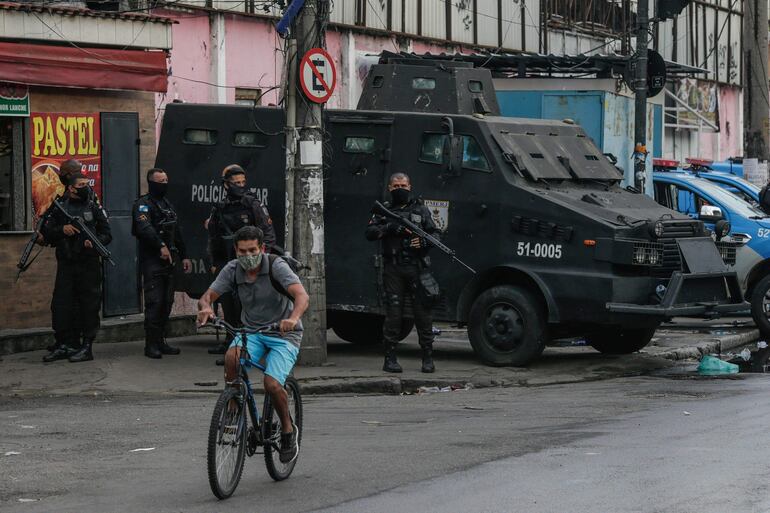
x: 218, y: 322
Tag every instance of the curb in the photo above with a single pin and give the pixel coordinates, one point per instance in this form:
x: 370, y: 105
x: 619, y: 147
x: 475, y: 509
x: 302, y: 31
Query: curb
x: 119, y: 330
x: 716, y: 346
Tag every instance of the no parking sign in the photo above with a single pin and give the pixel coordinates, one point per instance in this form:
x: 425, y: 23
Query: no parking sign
x: 318, y: 75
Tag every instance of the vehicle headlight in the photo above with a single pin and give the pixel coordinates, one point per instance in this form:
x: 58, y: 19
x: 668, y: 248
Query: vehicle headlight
x: 657, y: 228
x: 647, y: 253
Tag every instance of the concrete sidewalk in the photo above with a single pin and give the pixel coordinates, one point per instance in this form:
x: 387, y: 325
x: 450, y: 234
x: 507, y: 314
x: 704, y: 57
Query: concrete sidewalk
x: 121, y: 368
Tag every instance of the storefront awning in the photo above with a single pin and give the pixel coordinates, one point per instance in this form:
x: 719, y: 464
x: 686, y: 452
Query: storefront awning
x: 81, y: 67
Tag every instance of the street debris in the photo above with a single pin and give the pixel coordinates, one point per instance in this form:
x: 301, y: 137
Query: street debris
x: 712, y: 366
x: 12, y: 453
x: 686, y: 413
x: 206, y: 383
x: 22, y: 499
x: 472, y: 408
x: 143, y: 449
x: 753, y: 361
x: 27, y: 427
x: 371, y: 422
x: 451, y: 388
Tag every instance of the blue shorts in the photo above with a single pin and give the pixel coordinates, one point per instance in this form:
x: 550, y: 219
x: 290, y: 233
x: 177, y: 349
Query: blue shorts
x: 281, y: 354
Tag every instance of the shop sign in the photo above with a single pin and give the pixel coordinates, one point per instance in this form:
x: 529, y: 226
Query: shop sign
x: 14, y: 100
x: 56, y: 137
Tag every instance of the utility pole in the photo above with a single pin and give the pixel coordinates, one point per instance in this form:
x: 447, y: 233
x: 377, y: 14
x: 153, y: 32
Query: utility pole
x: 640, y: 88
x: 304, y: 186
x: 756, y: 101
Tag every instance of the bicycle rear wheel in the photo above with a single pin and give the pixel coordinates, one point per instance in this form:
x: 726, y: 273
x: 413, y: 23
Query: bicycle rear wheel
x: 272, y: 431
x: 227, y: 443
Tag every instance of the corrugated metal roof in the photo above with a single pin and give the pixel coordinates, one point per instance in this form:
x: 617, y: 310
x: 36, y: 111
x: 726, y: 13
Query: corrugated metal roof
x: 74, y: 11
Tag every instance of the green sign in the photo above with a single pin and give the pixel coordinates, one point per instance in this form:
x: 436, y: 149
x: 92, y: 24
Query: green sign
x: 14, y: 100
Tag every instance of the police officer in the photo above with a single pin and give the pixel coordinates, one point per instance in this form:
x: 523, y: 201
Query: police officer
x: 238, y: 209
x: 160, y: 247
x: 405, y: 256
x: 77, y: 293
x: 764, y: 198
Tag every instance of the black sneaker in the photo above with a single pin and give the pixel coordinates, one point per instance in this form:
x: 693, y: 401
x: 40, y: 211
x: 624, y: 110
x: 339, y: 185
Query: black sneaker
x: 289, y: 446
x: 60, y: 353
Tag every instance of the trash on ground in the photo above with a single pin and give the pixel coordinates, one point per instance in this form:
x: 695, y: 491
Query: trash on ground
x: 752, y: 361
x: 142, y: 449
x: 686, y: 413
x: 712, y: 366
x: 371, y: 422
x: 745, y: 354
x: 761, y: 344
x: 436, y: 331
x: 22, y: 499
x: 12, y: 453
x: 206, y: 383
x: 451, y: 388
x: 472, y: 408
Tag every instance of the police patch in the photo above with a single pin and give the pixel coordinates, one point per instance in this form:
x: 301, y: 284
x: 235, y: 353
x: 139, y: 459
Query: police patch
x: 416, y: 218
x: 88, y: 216
x: 143, y: 217
x: 144, y: 208
x: 439, y: 211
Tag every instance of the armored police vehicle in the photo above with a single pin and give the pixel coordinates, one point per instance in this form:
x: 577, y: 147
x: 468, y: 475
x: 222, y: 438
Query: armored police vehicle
x: 558, y: 246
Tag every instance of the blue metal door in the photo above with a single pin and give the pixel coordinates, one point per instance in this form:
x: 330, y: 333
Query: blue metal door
x: 585, y: 109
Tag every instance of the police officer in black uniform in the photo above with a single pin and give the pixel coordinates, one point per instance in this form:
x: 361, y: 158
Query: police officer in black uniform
x: 239, y: 209
x: 405, y: 256
x: 77, y: 294
x: 160, y: 247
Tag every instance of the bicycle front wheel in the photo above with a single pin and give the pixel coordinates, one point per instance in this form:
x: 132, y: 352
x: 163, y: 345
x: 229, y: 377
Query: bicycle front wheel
x: 227, y: 443
x: 272, y: 431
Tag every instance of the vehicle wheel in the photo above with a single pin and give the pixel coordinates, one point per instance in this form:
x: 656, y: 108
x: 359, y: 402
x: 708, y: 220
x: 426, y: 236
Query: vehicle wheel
x: 272, y: 431
x: 506, y: 326
x: 760, y: 305
x: 620, y: 341
x: 227, y: 443
x: 364, y: 329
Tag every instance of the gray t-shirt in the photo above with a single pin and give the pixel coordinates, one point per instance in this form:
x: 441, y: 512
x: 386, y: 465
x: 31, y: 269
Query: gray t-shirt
x: 261, y: 304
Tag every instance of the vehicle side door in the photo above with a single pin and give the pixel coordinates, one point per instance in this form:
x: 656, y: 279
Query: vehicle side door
x: 360, y: 154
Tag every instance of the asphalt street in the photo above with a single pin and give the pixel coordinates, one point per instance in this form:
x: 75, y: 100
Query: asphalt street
x: 669, y: 442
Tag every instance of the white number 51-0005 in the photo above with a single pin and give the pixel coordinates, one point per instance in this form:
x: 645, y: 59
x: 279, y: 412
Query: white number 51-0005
x: 538, y: 250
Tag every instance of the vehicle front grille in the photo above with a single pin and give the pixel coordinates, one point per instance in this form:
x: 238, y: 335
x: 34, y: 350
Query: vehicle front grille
x: 672, y: 259
x: 728, y: 250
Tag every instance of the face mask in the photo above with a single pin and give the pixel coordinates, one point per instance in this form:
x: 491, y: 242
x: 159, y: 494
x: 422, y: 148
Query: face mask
x: 157, y: 189
x: 236, y: 191
x: 400, y: 196
x: 83, y: 193
x: 250, y: 262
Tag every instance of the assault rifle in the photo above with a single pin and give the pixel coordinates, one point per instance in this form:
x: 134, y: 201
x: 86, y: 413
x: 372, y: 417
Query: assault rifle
x: 24, y: 260
x: 83, y: 229
x: 381, y: 210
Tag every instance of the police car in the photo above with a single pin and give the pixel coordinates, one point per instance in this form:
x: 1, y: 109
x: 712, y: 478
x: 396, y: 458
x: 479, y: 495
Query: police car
x: 743, y: 230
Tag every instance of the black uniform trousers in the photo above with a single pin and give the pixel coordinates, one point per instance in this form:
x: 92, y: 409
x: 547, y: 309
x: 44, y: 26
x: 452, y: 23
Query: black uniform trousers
x: 77, y: 297
x: 158, y: 287
x: 231, y: 306
x: 400, y: 281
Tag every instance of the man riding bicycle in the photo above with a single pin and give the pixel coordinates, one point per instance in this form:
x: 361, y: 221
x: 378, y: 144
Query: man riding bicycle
x: 270, y: 294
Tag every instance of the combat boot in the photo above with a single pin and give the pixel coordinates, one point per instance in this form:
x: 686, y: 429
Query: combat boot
x: 84, y: 354
x: 427, y: 360
x: 151, y: 345
x: 60, y: 352
x: 391, y: 363
x: 167, y: 349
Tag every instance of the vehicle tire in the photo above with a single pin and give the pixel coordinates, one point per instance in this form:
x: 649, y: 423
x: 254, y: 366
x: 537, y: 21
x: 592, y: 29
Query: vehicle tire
x: 227, y: 443
x: 620, y: 341
x: 760, y: 305
x: 364, y: 329
x: 507, y: 326
x: 271, y: 431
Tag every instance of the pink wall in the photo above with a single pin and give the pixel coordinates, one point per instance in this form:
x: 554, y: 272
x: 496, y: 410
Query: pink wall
x: 254, y: 59
x: 728, y: 140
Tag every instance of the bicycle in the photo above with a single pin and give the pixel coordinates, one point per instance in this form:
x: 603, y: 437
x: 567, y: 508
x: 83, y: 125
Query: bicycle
x: 231, y: 438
